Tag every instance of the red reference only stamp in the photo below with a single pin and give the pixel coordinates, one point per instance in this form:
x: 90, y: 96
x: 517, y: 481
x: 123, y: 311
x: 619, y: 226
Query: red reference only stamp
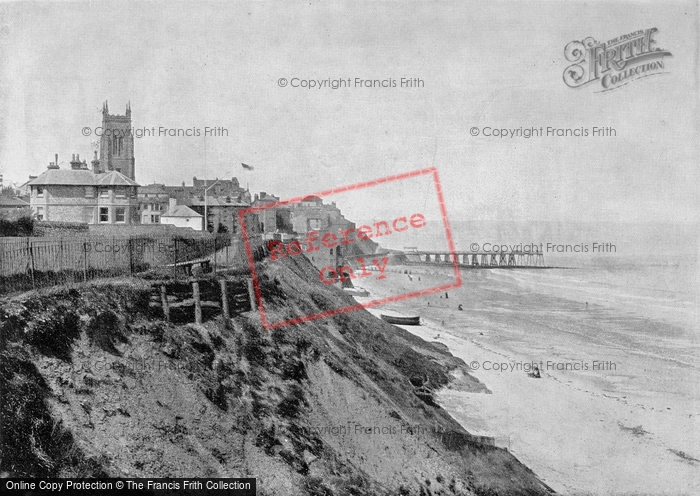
x: 340, y: 252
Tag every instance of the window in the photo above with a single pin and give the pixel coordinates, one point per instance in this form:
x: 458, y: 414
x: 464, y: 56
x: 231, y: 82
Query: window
x: 39, y: 213
x: 89, y: 192
x: 155, y: 219
x: 104, y: 214
x: 120, y: 193
x: 39, y: 191
x: 104, y: 193
x: 331, y: 251
x: 117, y: 147
x: 120, y: 214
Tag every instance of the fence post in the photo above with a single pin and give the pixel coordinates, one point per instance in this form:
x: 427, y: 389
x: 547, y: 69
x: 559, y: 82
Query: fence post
x: 215, y: 238
x: 224, y: 303
x: 60, y: 255
x: 197, y: 303
x: 30, y: 248
x: 131, y: 257
x: 2, y: 271
x: 85, y: 261
x: 164, y: 302
x: 175, y: 255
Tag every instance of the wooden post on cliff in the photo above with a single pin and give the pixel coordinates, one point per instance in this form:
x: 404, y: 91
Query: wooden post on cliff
x: 251, y: 295
x: 224, y: 303
x: 164, y: 302
x: 197, y: 303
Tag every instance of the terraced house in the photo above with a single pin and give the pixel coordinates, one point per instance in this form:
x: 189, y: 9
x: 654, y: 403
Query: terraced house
x: 76, y: 194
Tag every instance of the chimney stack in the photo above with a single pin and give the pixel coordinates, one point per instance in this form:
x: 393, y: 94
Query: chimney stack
x: 75, y: 162
x: 54, y: 165
x: 172, y: 204
x: 95, y: 164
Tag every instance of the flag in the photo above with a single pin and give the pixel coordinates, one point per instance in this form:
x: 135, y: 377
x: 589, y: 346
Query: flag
x: 246, y: 166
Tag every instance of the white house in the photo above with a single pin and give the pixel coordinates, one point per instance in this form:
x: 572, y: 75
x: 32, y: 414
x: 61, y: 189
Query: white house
x: 182, y: 216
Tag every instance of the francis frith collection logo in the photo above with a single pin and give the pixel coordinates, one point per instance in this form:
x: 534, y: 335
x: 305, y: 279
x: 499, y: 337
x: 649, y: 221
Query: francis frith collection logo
x: 616, y: 62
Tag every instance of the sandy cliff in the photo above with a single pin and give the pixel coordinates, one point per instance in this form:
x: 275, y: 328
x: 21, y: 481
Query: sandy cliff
x: 95, y: 382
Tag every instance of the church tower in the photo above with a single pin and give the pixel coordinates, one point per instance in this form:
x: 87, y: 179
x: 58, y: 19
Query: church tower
x: 117, y: 143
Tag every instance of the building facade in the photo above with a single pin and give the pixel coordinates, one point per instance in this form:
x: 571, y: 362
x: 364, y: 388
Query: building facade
x: 311, y: 214
x: 273, y: 220
x: 220, y: 199
x: 153, y: 202
x: 76, y: 194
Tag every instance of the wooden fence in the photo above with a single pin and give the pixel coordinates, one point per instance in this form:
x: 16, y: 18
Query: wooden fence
x: 31, y: 263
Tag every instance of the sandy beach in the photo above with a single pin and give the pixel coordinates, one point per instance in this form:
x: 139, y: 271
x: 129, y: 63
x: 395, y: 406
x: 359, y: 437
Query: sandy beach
x: 605, y: 417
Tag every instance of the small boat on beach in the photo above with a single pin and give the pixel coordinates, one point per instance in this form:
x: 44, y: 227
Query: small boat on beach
x: 401, y: 320
x: 357, y: 291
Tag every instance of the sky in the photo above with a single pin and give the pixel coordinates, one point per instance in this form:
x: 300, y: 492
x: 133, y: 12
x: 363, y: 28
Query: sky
x: 497, y: 64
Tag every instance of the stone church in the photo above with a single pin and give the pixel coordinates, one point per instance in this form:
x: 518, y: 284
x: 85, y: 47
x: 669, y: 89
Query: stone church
x: 117, y: 143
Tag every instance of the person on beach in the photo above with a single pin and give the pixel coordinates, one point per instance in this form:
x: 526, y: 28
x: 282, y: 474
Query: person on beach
x: 535, y: 373
x: 460, y: 307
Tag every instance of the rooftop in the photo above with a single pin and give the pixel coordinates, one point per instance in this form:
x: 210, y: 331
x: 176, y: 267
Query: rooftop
x: 11, y: 201
x: 81, y: 177
x: 181, y: 211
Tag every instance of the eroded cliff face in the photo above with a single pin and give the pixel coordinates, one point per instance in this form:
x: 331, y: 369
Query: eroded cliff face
x: 96, y: 383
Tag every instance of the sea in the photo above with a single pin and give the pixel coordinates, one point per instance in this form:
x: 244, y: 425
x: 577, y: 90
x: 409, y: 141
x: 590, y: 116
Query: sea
x: 615, y: 333
x: 631, y: 285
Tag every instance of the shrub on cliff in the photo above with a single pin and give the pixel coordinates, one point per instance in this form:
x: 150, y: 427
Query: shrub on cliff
x: 53, y: 331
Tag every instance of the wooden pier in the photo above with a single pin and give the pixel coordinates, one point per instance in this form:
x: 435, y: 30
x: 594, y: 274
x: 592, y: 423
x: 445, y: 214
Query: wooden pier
x: 477, y: 259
